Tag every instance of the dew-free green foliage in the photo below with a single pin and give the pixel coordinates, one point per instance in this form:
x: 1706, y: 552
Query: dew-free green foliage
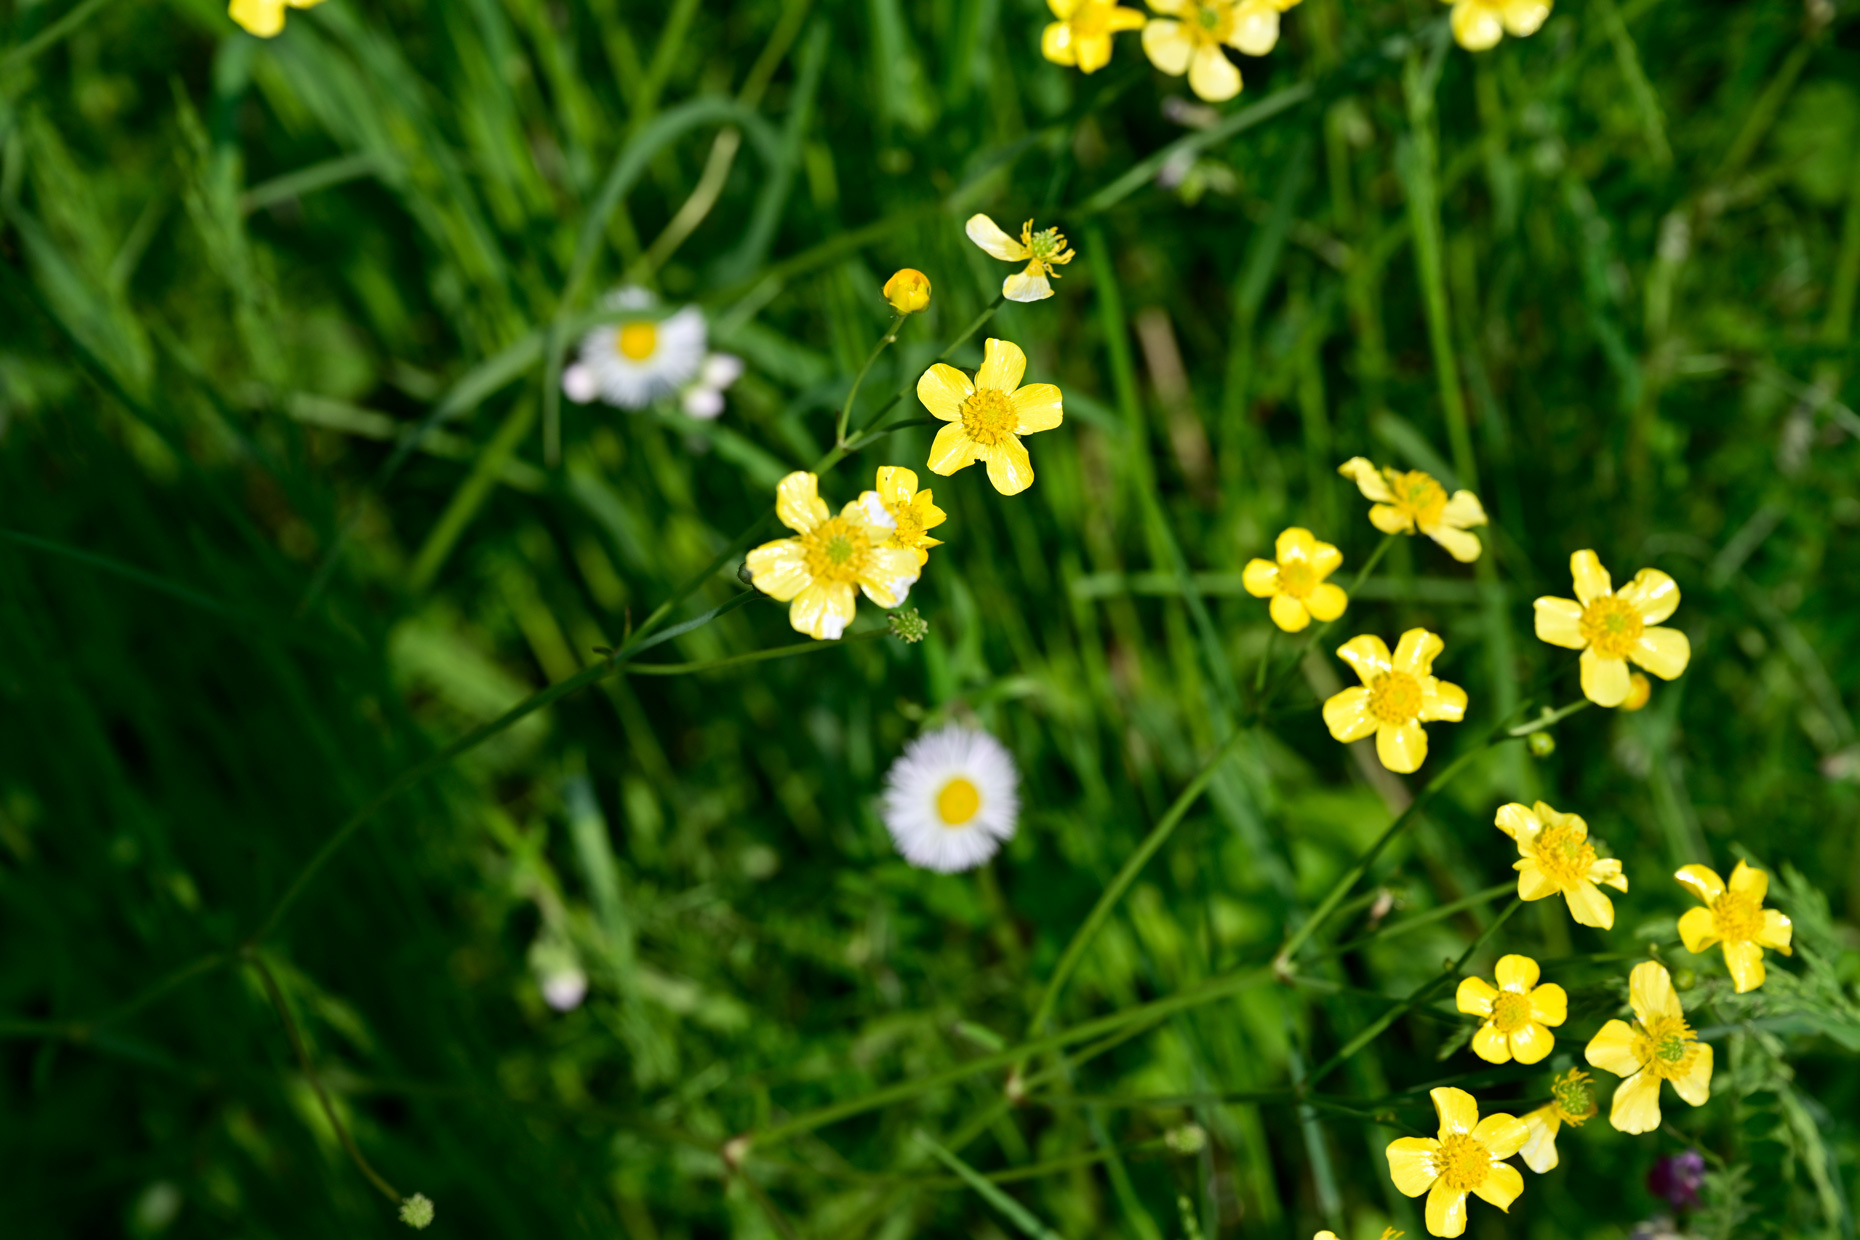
x: 1605, y: 276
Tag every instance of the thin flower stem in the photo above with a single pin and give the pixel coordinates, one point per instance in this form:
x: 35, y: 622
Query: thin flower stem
x: 884, y: 342
x: 753, y: 656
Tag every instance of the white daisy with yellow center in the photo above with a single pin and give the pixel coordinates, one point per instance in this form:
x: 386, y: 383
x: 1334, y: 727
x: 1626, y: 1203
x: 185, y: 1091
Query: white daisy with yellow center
x: 951, y: 799
x: 643, y: 357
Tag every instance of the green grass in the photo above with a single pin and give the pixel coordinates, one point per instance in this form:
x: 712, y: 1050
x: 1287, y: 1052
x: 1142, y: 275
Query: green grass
x: 289, y: 505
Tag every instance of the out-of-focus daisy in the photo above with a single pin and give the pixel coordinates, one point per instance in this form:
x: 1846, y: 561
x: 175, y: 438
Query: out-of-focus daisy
x: 1410, y: 502
x: 1042, y: 252
x: 265, y: 18
x: 1480, y: 24
x: 1082, y: 35
x: 821, y: 572
x: 951, y: 798
x: 1612, y: 627
x: 644, y: 357
x: 704, y: 397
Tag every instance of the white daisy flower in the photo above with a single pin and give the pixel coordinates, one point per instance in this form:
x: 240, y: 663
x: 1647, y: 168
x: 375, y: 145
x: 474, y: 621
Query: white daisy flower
x: 704, y: 399
x: 951, y: 799
x: 642, y: 358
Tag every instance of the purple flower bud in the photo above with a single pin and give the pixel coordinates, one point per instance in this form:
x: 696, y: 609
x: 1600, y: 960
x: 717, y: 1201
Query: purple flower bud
x: 1677, y: 1179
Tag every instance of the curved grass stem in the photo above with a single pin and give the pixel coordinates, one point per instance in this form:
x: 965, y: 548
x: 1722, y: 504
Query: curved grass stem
x: 852, y: 393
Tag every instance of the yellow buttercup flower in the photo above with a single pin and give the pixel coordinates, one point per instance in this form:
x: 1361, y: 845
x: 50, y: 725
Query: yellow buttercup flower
x: 817, y: 571
x: 1296, y: 584
x: 1042, y: 251
x: 1613, y: 626
x: 987, y: 416
x: 1189, y: 35
x: 265, y: 18
x: 1735, y: 917
x: 1479, y: 24
x: 1469, y: 1157
x: 1572, y: 1102
x: 1555, y: 855
x: 1082, y: 35
x: 908, y: 290
x: 1398, y: 694
x: 911, y: 511
x: 1411, y: 501
x: 1658, y: 1046
x: 1516, y: 1012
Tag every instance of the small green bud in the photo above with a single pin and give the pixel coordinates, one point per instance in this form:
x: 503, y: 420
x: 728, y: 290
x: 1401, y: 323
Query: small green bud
x: 1188, y: 1139
x: 907, y: 625
x: 417, y: 1212
x: 1684, y: 979
x: 1541, y: 744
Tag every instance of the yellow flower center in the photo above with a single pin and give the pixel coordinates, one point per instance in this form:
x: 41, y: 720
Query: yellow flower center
x: 1669, y: 1047
x: 1511, y: 1011
x: 909, y: 521
x: 1611, y: 627
x: 1297, y: 578
x: 988, y: 417
x: 1418, y: 495
x: 1395, y: 697
x: 1575, y: 1097
x: 1212, y: 23
x: 837, y: 551
x: 1463, y: 1163
x: 959, y: 801
x: 637, y: 341
x: 1738, y: 916
x: 1564, y: 855
x: 1047, y: 248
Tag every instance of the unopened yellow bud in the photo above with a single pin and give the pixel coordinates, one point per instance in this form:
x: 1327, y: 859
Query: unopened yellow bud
x: 1639, y: 690
x: 908, y: 290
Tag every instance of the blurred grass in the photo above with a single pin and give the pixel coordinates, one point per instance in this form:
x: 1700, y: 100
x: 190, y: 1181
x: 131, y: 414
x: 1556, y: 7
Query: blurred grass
x: 1606, y: 274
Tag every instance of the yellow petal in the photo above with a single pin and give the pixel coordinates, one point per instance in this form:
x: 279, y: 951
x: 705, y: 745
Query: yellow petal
x: 1294, y: 545
x: 896, y: 484
x: 1533, y: 883
x: 1592, y: 580
x: 1446, y: 1211
x: 1636, y: 1107
x: 1401, y: 747
x: 1289, y: 614
x: 1516, y: 973
x: 1326, y: 601
x: 1502, y: 1185
x: 1171, y: 8
x: 1652, y: 594
x: 1776, y: 932
x: 1458, y: 1113
x: 1347, y: 715
x: 1606, y: 872
x: 798, y: 502
x: 1612, y: 1049
x: 1037, y: 407
x: 1064, y: 9
x: 1367, y: 655
x: 1027, y: 286
x: 1324, y: 558
x: 1698, y: 929
x: 890, y: 573
x: 1260, y: 578
x: 779, y: 569
x: 1651, y: 994
x: 1121, y: 18
x: 1008, y: 466
x: 1664, y: 652
x: 1532, y: 1043
x: 1702, y: 881
x: 1212, y: 76
x: 1604, y: 680
x: 1057, y: 46
x: 1524, y: 17
x: 1589, y: 906
x: 1491, y: 1045
x: 1540, y: 1146
x: 1549, y: 1004
x: 823, y: 610
x: 1475, y: 996
x: 263, y: 18
x: 1411, y: 1164
x: 1748, y: 880
x: 1003, y: 364
x: 1460, y: 545
x: 1517, y: 821
x: 1416, y: 651
x: 1442, y: 701
x: 1094, y: 52
x: 1256, y: 27
x: 1745, y: 963
x: 951, y: 450
x: 1502, y: 1135
x: 987, y: 234
x: 1168, y: 46
x: 1368, y: 479
x: 1390, y: 519
x: 1695, y: 1085
x: 1463, y: 511
x: 942, y: 389
x: 1559, y: 622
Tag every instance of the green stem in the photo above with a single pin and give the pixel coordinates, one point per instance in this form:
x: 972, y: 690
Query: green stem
x: 884, y: 342
x: 753, y: 656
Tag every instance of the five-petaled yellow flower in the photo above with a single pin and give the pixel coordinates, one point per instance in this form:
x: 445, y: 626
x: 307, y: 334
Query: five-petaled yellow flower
x: 1042, y: 251
x: 1398, y: 694
x: 1479, y: 24
x: 1082, y: 35
x: 1469, y: 1157
x: 1612, y: 626
x: 1735, y: 917
x: 1572, y: 1102
x: 911, y: 511
x: 265, y: 18
x: 908, y: 290
x: 1411, y: 501
x: 988, y: 416
x: 1659, y: 1046
x: 817, y: 571
x: 1296, y: 583
x: 1555, y: 855
x: 1516, y: 1012
x: 1189, y: 35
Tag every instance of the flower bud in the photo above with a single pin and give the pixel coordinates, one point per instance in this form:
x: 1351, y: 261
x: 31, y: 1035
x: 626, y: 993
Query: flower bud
x: 1541, y: 744
x: 417, y: 1212
x: 1639, y: 690
x: 908, y: 290
x: 907, y: 625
